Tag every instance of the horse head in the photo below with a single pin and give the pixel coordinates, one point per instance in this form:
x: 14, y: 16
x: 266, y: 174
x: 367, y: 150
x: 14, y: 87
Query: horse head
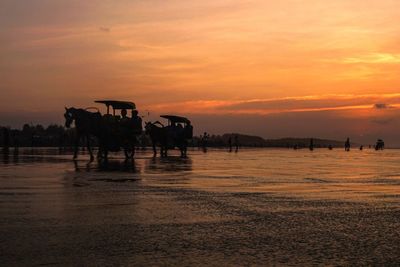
x: 148, y: 125
x: 69, y: 116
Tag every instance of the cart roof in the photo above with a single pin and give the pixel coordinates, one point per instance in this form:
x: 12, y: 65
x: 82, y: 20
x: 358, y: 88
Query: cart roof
x: 115, y: 104
x: 174, y: 118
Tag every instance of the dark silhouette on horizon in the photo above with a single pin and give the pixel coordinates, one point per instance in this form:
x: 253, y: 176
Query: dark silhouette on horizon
x: 204, y: 141
x: 112, y: 131
x: 65, y: 139
x: 347, y: 144
x: 311, y: 147
x: 380, y: 145
x: 236, y: 143
x: 176, y: 134
x: 6, y: 144
x: 87, y: 124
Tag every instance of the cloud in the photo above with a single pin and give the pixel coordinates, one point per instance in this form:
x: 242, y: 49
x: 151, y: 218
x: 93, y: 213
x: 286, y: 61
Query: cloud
x: 373, y: 58
x: 104, y: 29
x: 284, y: 105
x: 381, y: 106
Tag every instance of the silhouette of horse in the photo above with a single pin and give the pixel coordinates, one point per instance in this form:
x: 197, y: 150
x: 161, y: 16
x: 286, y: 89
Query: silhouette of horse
x: 166, y: 137
x: 158, y: 135
x: 87, y: 124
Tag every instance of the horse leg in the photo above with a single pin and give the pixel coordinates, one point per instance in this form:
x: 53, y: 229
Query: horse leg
x: 101, y: 150
x: 105, y: 155
x: 77, y: 138
x: 129, y: 153
x: 126, y: 153
x: 89, y: 148
x: 184, y: 150
x: 99, y: 153
x: 154, y: 148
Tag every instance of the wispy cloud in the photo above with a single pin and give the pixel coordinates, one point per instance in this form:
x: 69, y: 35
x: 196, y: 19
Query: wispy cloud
x: 382, y: 106
x: 285, y: 105
x: 374, y: 58
x: 104, y: 29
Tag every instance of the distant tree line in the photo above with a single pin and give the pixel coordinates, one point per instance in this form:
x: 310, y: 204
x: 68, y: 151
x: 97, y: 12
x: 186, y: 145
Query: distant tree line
x: 37, y: 136
x: 59, y: 136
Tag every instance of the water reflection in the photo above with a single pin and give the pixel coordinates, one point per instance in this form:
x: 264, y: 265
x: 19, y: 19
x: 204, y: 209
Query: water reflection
x: 107, y: 166
x: 118, y: 166
x: 321, y: 174
x: 5, y: 152
x: 169, y: 164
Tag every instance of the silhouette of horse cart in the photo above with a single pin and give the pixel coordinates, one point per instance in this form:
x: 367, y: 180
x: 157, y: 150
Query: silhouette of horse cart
x: 119, y: 132
x: 112, y: 131
x: 175, y: 134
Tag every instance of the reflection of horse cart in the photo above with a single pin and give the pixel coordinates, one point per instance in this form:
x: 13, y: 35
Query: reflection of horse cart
x: 112, y: 131
x: 176, y: 134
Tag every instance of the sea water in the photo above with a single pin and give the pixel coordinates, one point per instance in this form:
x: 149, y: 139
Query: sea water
x: 257, y: 206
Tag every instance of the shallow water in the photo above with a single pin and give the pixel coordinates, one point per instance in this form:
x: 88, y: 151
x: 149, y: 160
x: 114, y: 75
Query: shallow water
x: 258, y: 206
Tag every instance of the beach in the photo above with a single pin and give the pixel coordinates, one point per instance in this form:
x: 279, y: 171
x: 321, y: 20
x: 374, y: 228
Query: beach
x: 255, y: 207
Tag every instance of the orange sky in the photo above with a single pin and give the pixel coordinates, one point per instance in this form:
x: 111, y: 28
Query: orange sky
x: 329, y: 59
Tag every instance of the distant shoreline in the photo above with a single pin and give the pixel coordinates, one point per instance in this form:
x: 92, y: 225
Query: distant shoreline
x: 58, y: 136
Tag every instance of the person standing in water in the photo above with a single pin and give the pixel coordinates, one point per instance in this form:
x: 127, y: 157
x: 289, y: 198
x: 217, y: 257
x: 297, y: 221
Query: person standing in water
x: 236, y: 143
x: 204, y: 141
x: 230, y: 143
x: 347, y: 144
x: 311, y: 144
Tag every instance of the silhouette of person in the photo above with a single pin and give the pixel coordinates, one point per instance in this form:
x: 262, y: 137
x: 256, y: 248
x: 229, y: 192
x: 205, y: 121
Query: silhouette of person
x: 124, y: 114
x: 6, y: 139
x: 311, y: 144
x: 236, y: 143
x: 347, y: 144
x: 124, y: 121
x: 136, y: 121
x: 188, y: 130
x: 6, y: 144
x: 230, y: 143
x: 204, y: 141
x: 178, y: 130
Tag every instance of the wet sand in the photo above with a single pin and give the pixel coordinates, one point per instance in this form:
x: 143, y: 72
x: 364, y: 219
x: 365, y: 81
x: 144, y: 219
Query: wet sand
x: 257, y: 207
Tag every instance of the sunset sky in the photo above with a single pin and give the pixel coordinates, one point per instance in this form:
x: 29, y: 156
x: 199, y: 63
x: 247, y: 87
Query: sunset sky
x: 273, y: 68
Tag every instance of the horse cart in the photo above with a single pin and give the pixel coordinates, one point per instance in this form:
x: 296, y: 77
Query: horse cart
x: 176, y: 133
x: 113, y: 132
